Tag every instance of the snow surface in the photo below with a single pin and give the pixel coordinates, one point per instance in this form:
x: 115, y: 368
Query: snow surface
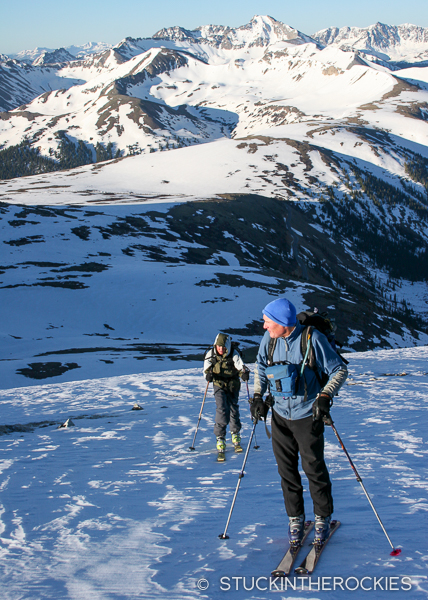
x: 116, y: 506
x: 122, y: 301
x: 130, y: 299
x: 223, y: 166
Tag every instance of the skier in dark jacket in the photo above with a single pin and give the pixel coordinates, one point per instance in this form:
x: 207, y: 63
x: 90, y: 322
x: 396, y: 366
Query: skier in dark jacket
x: 223, y: 366
x: 301, y: 405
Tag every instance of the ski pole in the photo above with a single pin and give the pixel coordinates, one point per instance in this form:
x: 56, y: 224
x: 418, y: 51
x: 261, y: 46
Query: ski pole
x: 256, y: 446
x: 223, y: 535
x: 395, y: 551
x: 192, y: 447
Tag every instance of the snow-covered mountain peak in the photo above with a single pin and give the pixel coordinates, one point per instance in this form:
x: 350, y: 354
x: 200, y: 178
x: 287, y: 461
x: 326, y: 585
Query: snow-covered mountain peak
x: 89, y: 48
x: 399, y: 43
x: 56, y: 57
x: 378, y: 34
x: 176, y: 33
x: 272, y: 30
x: 105, y: 61
x: 261, y: 31
x: 29, y: 56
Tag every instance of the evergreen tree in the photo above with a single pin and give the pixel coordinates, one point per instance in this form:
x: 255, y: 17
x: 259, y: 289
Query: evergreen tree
x: 25, y: 159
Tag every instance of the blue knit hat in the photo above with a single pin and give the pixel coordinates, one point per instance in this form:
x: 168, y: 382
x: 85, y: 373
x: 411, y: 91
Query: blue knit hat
x: 281, y: 311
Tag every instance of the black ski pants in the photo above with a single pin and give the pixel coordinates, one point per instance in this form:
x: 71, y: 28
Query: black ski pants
x: 227, y: 411
x: 304, y: 436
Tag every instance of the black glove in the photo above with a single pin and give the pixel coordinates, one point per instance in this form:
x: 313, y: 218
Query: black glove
x: 321, y: 408
x: 270, y: 401
x: 245, y: 375
x: 209, y: 375
x: 258, y: 408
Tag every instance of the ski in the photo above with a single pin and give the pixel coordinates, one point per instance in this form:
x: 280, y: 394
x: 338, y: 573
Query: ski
x: 286, y: 564
x: 309, y: 562
x: 238, y: 448
x: 221, y: 456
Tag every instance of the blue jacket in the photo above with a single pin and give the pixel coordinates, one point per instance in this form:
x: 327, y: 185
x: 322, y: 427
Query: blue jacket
x: 289, y: 350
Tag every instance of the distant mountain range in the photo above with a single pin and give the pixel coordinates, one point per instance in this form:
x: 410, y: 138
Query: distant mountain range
x: 182, y: 87
x: 395, y: 46
x: 404, y: 44
x: 40, y: 56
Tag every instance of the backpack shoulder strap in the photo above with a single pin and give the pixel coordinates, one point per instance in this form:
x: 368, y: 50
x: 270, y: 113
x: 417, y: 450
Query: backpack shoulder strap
x: 305, y: 349
x: 271, y: 350
x: 305, y: 343
x: 310, y: 360
x: 212, y: 358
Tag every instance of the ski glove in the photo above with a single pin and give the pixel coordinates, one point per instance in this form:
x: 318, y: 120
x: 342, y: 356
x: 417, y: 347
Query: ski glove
x: 245, y: 375
x: 258, y: 408
x: 209, y: 375
x: 321, y: 408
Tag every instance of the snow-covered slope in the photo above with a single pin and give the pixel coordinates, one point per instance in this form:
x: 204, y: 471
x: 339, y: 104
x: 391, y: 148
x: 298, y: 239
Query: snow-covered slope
x: 92, y: 288
x: 21, y: 83
x: 117, y: 506
x: 101, y: 289
x: 117, y: 106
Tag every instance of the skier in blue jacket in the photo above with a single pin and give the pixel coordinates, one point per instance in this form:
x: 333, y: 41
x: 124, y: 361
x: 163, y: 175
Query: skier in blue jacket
x: 301, y: 405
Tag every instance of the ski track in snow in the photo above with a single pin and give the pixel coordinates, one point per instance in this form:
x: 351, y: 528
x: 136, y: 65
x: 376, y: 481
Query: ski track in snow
x: 117, y: 507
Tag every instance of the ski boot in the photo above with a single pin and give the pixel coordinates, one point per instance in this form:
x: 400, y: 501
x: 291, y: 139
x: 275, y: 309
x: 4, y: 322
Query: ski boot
x: 296, y: 528
x: 221, y: 449
x: 236, y: 441
x: 322, y: 529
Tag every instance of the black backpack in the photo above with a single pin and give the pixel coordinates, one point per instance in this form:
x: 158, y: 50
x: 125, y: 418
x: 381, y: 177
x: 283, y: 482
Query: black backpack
x: 324, y: 324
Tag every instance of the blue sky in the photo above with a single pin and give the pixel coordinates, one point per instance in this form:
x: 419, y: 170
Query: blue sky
x: 53, y: 23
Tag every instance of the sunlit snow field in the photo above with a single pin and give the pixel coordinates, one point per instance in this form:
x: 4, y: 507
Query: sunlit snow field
x: 117, y: 506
